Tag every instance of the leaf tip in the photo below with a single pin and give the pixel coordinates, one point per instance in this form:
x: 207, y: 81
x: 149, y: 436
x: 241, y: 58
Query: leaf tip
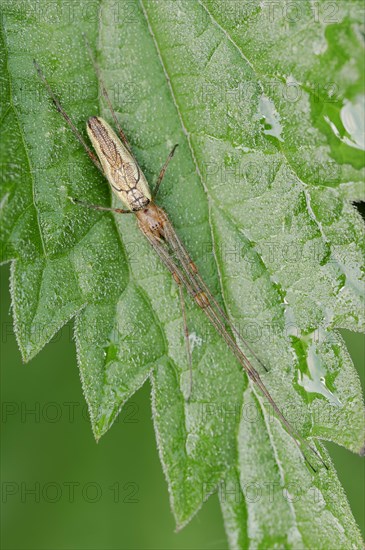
x: 26, y: 353
x: 97, y: 435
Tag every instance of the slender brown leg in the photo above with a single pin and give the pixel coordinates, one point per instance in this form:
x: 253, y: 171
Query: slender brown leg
x: 179, y: 279
x: 61, y: 110
x: 163, y: 170
x: 185, y: 259
x: 106, y: 95
x: 187, y: 342
x: 97, y: 207
x: 202, y: 298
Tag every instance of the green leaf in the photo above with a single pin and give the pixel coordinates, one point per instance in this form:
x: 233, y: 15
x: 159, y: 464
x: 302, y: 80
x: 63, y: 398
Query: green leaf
x: 263, y: 99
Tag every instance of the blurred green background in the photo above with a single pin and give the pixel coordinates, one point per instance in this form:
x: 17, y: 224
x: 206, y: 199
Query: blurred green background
x: 61, y: 490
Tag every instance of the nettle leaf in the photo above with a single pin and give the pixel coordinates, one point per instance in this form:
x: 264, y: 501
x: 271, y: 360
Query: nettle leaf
x: 265, y: 101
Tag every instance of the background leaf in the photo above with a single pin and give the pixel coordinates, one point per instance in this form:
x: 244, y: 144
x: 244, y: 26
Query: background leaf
x: 259, y: 191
